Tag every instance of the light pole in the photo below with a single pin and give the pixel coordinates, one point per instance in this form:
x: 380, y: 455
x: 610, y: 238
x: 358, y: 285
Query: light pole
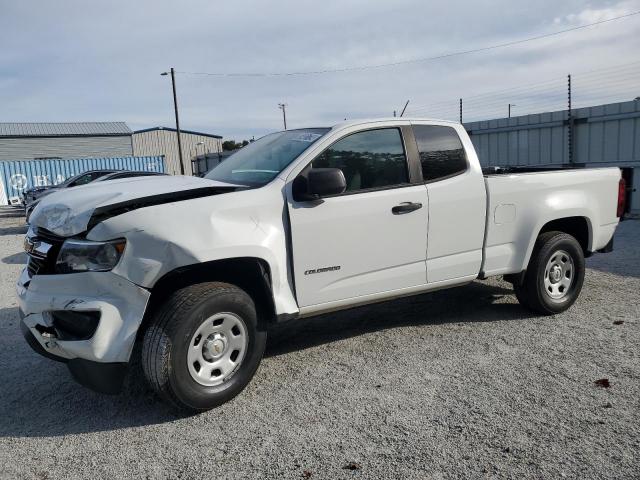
x: 511, y: 105
x: 203, y: 149
x: 283, y: 107
x: 175, y: 106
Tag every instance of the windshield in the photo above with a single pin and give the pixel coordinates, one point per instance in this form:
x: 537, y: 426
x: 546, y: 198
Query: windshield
x: 261, y: 161
x: 70, y: 180
x: 83, y: 178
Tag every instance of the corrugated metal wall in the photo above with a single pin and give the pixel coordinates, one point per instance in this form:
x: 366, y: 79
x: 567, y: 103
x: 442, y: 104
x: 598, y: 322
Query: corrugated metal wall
x: 30, y: 148
x: 16, y: 176
x: 608, y: 134
x: 164, y: 142
x: 539, y: 139
x: 602, y: 135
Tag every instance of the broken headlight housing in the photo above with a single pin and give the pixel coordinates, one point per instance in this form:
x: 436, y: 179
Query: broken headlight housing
x: 88, y: 256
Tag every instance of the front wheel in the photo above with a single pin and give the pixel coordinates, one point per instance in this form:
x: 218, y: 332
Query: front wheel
x: 555, y: 274
x: 203, y: 346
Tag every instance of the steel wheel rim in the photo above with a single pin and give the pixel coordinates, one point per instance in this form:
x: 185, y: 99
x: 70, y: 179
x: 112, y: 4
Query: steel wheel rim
x: 217, y: 349
x: 559, y: 275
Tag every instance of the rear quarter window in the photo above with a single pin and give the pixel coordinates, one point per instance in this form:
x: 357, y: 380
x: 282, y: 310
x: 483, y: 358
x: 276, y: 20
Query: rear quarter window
x: 441, y: 152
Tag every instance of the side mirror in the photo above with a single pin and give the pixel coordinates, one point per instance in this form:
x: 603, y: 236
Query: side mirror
x: 319, y: 183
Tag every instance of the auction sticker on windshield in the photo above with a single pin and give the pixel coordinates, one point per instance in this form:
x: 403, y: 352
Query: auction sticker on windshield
x: 306, y: 137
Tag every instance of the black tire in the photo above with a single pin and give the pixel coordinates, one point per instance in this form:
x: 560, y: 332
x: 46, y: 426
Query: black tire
x: 167, y: 340
x: 532, y: 293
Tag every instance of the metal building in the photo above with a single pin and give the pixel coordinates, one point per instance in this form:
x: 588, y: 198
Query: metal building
x: 163, y: 141
x: 34, y: 141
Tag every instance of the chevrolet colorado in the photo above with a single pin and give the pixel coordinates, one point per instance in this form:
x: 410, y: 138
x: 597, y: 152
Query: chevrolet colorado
x: 298, y: 223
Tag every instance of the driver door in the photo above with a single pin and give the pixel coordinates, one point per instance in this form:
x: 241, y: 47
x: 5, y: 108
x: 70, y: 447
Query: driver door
x: 370, y: 239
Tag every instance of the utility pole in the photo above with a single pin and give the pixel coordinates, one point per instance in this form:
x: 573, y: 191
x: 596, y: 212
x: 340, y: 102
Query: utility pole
x: 460, y: 110
x: 175, y: 106
x: 283, y: 107
x: 511, y: 105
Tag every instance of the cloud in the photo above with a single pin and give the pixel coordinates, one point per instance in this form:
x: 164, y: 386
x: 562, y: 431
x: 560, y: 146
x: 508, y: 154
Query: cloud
x: 592, y: 15
x: 96, y: 61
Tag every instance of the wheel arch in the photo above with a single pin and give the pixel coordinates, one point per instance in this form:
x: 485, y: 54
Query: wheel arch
x: 251, y: 274
x: 577, y: 226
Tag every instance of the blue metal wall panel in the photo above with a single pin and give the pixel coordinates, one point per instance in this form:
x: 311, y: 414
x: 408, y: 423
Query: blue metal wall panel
x: 626, y: 138
x: 16, y: 176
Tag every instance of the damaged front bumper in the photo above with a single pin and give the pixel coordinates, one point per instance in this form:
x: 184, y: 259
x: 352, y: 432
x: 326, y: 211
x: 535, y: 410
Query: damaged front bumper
x: 89, y: 320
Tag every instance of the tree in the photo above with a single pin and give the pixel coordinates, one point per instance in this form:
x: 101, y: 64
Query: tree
x: 229, y: 145
x: 233, y: 145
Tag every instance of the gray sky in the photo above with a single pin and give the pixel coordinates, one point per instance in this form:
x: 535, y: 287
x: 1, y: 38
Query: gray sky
x: 81, y: 60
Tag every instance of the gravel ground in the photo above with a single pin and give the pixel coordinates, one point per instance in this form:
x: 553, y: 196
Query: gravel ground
x: 461, y: 383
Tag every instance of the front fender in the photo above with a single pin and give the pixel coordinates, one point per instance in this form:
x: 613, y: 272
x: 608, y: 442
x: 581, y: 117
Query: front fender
x: 163, y: 238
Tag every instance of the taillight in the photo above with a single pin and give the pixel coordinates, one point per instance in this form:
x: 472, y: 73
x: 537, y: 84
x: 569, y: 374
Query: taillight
x: 622, y: 193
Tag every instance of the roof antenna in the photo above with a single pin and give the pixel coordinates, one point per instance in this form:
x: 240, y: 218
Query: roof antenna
x: 405, y: 107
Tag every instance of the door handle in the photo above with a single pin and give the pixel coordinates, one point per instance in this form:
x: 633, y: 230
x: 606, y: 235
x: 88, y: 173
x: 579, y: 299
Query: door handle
x: 406, y: 207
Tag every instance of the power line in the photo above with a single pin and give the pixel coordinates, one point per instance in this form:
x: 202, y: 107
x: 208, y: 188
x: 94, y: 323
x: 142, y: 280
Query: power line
x: 606, y: 70
x: 619, y: 78
x: 532, y: 88
x: 524, y: 90
x: 415, y: 60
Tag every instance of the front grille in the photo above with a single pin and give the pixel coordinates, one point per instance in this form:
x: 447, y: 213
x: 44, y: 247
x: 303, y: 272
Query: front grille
x: 35, y: 265
x: 44, y: 265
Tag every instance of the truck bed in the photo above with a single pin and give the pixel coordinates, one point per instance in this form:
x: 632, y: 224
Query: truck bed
x: 509, y: 169
x: 521, y: 201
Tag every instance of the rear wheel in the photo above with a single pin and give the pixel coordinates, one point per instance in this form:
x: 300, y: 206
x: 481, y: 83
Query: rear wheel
x: 555, y: 274
x: 204, y: 346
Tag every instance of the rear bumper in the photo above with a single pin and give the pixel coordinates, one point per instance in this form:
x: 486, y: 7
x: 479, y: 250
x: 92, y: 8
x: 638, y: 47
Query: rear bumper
x: 608, y: 248
x: 603, y: 237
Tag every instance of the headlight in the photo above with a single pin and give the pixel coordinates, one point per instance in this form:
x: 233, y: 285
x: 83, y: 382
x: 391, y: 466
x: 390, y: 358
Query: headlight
x: 87, y: 256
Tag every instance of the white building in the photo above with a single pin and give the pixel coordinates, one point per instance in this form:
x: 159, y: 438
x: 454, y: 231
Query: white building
x: 163, y: 141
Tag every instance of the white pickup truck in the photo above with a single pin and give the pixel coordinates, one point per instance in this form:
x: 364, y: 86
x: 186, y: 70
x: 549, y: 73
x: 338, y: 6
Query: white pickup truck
x: 298, y: 223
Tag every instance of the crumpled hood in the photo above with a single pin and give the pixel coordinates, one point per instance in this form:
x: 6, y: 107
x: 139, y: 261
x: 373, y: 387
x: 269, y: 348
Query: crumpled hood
x: 69, y: 211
